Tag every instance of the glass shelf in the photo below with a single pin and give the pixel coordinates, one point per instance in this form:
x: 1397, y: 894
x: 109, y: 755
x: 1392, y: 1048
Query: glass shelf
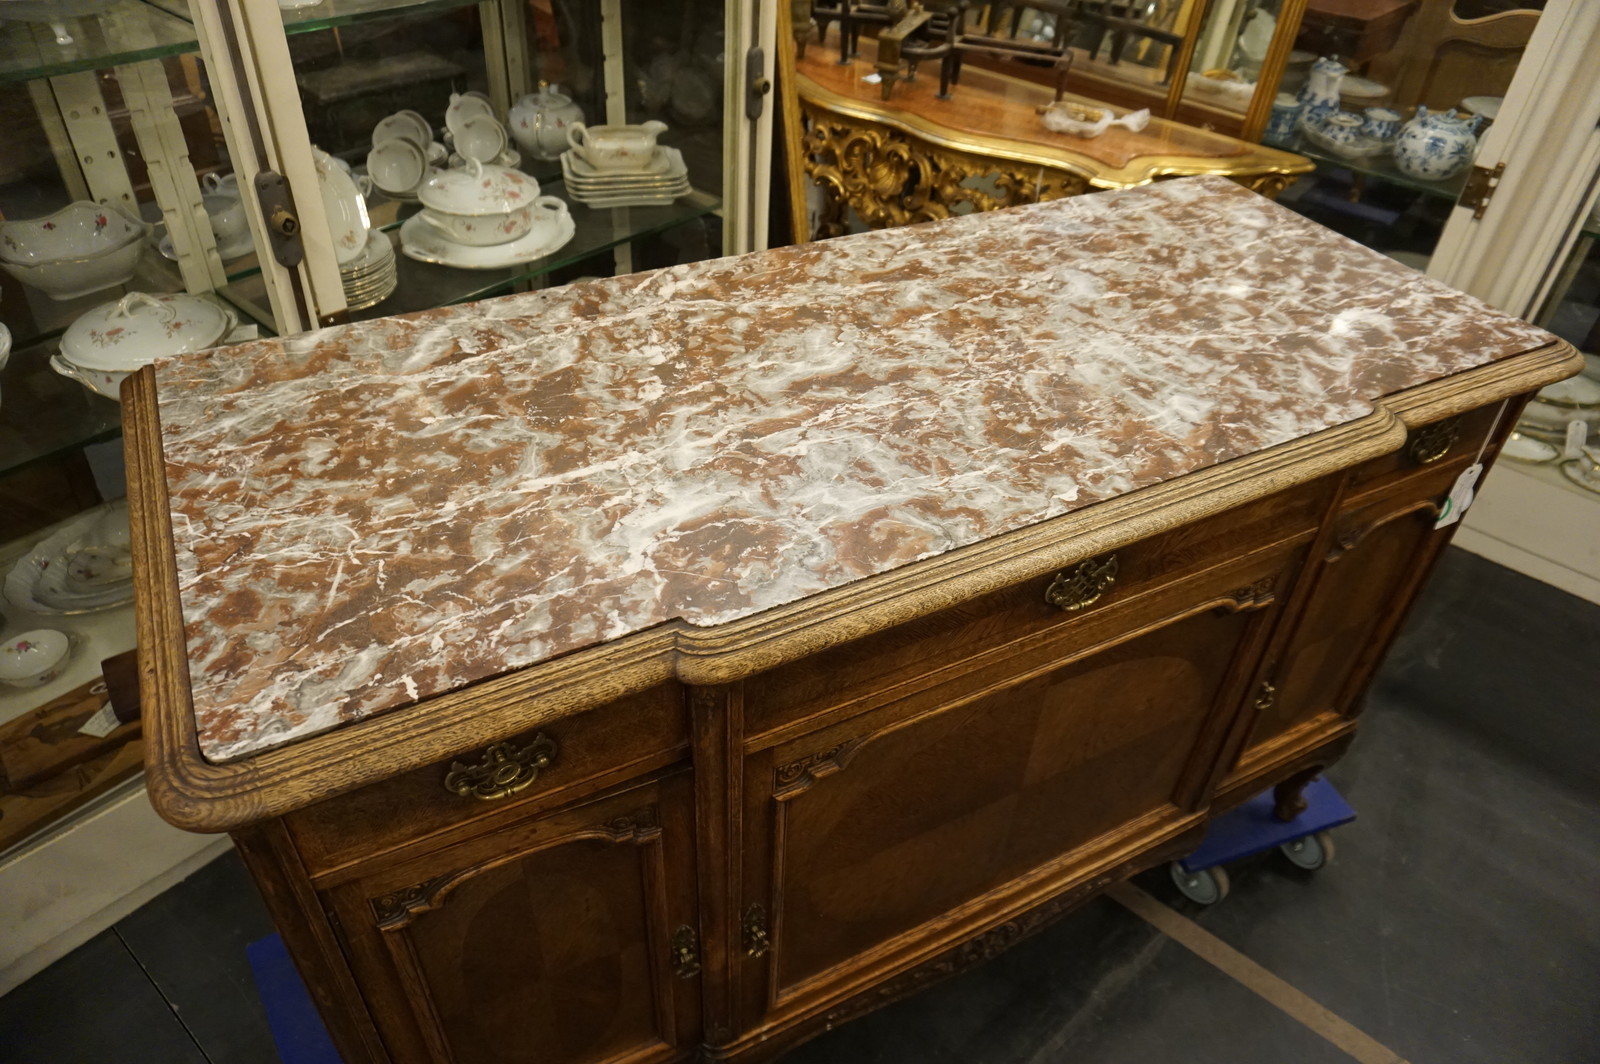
x: 1381, y: 167
x: 332, y: 13
x: 424, y: 285
x: 43, y: 414
x: 123, y: 31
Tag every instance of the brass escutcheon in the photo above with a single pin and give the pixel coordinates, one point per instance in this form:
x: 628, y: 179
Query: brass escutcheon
x: 1083, y: 584
x: 685, y: 952
x: 503, y: 771
x: 1432, y: 442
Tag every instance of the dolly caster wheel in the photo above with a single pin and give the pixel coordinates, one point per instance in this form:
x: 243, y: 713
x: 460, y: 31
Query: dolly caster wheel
x: 1206, y: 886
x: 1310, y: 852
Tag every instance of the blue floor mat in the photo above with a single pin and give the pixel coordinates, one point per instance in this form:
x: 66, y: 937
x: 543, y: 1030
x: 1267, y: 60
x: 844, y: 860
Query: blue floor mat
x: 296, y: 1028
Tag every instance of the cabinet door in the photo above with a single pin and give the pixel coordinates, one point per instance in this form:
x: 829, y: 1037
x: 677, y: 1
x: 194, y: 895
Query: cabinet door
x: 1366, y: 579
x: 869, y: 840
x: 567, y: 939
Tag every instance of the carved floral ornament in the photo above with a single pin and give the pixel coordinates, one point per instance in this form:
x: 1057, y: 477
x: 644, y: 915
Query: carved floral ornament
x: 891, y: 178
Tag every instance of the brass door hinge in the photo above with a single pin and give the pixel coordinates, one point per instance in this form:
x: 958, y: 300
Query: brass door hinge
x: 685, y: 952
x: 1479, y: 189
x: 756, y: 940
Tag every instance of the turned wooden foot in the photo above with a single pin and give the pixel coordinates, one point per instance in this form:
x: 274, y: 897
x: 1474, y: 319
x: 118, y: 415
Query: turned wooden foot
x: 1288, y: 799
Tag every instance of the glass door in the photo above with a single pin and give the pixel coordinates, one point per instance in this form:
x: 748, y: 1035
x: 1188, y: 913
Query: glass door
x: 607, y: 123
x: 1390, y: 99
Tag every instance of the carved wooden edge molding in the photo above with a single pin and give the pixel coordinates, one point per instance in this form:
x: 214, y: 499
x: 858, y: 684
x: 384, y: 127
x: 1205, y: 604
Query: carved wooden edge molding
x: 194, y: 793
x: 1256, y: 596
x: 796, y: 776
x: 397, y: 909
x: 1348, y: 539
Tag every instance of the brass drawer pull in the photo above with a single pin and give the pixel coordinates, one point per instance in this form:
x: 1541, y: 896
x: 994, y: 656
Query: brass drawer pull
x: 1083, y: 584
x: 503, y: 771
x: 1432, y: 442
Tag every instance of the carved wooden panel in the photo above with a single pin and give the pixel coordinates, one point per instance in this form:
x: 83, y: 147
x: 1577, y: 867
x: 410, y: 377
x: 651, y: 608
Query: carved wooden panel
x: 862, y: 828
x: 557, y: 941
x: 1365, y: 580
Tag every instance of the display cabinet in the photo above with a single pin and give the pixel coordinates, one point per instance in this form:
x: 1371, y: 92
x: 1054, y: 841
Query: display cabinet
x: 108, y: 107
x: 161, y: 115
x: 322, y: 79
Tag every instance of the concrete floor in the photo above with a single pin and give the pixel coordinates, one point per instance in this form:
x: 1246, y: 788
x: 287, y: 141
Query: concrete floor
x: 1457, y: 923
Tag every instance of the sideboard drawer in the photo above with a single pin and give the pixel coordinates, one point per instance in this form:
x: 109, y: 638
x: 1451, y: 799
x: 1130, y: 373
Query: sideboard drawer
x: 1033, y: 608
x: 480, y: 789
x: 1428, y: 447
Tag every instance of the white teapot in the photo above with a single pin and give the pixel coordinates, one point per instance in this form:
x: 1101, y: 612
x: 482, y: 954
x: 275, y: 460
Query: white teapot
x: 539, y: 122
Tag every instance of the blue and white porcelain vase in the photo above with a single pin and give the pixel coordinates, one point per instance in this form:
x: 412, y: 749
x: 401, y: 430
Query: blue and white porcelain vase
x: 1435, y: 147
x: 1320, y: 95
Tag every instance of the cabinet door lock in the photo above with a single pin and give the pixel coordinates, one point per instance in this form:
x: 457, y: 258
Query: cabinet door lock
x: 756, y: 939
x: 283, y: 228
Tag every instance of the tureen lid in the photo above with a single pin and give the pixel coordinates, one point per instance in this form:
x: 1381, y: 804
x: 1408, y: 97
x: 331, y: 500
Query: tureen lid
x: 139, y: 328
x: 478, y: 188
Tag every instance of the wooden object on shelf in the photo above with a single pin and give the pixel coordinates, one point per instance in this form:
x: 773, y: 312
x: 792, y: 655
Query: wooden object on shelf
x: 1354, y: 30
x: 911, y: 159
x: 48, y: 767
x: 679, y: 838
x: 918, y: 36
x: 1441, y: 59
x: 993, y: 31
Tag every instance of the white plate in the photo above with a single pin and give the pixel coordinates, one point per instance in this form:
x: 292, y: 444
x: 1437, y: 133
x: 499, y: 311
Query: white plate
x: 1582, y: 473
x: 1487, y: 106
x: 40, y: 580
x: 377, y: 251
x: 346, y: 209
x: 661, y: 161
x: 1362, y: 88
x: 630, y: 185
x: 1574, y: 391
x: 1520, y: 448
x: 629, y: 199
x: 422, y: 242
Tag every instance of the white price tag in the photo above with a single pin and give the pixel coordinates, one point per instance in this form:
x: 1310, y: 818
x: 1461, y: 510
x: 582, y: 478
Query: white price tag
x: 1577, y: 436
x: 102, y: 724
x: 1460, y: 497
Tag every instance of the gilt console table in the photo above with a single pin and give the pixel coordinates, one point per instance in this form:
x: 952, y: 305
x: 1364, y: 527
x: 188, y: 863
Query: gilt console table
x: 917, y: 158
x: 675, y: 665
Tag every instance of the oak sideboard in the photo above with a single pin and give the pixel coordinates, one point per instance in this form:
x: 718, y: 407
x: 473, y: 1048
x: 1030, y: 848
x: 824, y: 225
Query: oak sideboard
x: 672, y: 666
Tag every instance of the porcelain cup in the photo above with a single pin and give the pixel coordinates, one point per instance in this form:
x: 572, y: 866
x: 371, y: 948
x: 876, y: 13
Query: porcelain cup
x: 615, y: 147
x: 480, y: 137
x: 229, y: 223
x: 1285, y: 117
x: 1381, y: 123
x: 397, y: 166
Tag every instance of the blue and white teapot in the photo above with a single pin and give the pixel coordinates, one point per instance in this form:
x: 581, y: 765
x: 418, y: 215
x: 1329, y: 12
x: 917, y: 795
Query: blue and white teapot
x: 1435, y: 147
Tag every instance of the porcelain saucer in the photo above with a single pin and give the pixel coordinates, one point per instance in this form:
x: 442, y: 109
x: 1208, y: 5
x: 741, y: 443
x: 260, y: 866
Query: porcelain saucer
x: 422, y: 242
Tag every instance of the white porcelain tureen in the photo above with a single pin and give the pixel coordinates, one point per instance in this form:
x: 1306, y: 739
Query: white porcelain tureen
x: 114, y: 339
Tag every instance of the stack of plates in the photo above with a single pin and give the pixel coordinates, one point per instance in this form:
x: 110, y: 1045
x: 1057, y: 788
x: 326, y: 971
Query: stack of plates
x: 660, y: 181
x: 370, y: 276
x: 85, y: 566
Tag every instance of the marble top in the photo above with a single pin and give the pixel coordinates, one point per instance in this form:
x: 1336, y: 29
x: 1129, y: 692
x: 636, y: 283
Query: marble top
x: 369, y: 515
